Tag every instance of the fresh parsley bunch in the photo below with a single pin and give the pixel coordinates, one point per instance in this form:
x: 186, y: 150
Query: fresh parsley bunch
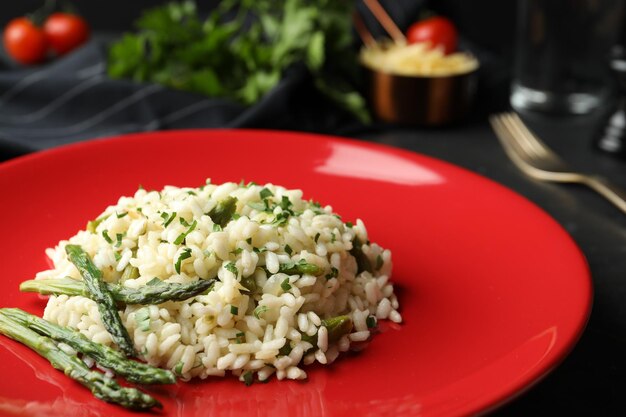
x: 241, y: 50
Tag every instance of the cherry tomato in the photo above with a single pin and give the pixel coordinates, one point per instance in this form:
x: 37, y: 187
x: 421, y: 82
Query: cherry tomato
x: 439, y: 31
x: 25, y: 42
x: 65, y: 32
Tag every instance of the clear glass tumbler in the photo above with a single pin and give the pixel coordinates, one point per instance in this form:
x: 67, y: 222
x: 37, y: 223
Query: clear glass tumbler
x: 561, y: 55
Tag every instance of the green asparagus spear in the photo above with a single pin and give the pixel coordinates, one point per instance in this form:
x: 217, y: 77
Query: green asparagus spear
x: 299, y: 268
x: 223, y: 211
x: 100, y: 293
x: 104, y: 388
x: 150, y: 294
x: 337, y: 328
x: 140, y: 373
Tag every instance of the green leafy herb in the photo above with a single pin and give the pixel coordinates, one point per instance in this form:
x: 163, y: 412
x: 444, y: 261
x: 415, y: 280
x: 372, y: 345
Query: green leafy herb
x: 370, y: 321
x: 117, y: 256
x: 118, y: 239
x: 182, y: 236
x: 186, y: 253
x: 178, y: 369
x: 259, y: 310
x: 217, y: 228
x: 249, y: 241
x: 317, y: 236
x: 234, y: 310
x: 119, y: 216
x: 286, y: 349
x: 244, y: 57
x: 265, y: 193
x: 93, y: 224
x: 223, y: 211
x: 334, y: 272
x: 349, y: 225
x: 105, y: 235
x: 167, y: 220
x: 285, y: 285
x: 231, y: 267
x: 288, y: 250
x: 236, y: 251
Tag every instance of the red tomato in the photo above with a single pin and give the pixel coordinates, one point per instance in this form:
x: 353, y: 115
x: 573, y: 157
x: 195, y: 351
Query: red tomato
x: 439, y: 31
x: 25, y: 42
x: 65, y: 32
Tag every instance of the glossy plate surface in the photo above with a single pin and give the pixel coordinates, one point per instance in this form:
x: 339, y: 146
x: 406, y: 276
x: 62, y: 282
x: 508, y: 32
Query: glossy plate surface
x: 493, y: 292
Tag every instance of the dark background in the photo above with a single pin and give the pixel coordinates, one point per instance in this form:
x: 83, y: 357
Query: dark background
x: 489, y: 23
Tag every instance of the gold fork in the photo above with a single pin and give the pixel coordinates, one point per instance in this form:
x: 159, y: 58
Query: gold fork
x: 535, y: 159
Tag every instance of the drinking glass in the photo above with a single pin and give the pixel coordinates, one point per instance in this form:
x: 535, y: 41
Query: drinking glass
x: 561, y: 55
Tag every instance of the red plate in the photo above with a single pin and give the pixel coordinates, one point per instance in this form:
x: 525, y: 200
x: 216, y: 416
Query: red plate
x: 494, y: 293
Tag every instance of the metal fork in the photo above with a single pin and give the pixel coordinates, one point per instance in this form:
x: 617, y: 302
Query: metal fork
x: 535, y: 159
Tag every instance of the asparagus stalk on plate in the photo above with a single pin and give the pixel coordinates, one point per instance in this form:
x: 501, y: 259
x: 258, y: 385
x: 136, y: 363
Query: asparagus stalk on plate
x: 102, y: 387
x: 150, y: 294
x: 137, y: 372
x: 101, y: 294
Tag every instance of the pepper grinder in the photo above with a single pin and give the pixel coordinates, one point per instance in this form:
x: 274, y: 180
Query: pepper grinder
x: 611, y: 134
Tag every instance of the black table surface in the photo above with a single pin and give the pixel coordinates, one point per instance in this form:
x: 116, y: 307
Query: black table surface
x: 592, y: 379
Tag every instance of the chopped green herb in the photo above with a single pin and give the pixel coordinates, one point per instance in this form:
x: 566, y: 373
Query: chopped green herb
x: 288, y: 250
x: 250, y: 184
x: 240, y: 337
x: 362, y: 261
x: 333, y: 238
x: 167, y: 220
x: 190, y: 192
x: 105, y: 235
x: 234, y: 310
x: 379, y: 262
x: 248, y: 378
x: 119, y: 216
x: 285, y: 203
x: 231, y: 267
x: 142, y: 318
x: 217, y: 228
x: 183, y: 222
x: 236, y: 251
x: 349, y: 225
x: 154, y: 281
x: 281, y: 218
x: 259, y: 310
x: 249, y: 241
x: 186, y: 253
x: 317, y: 236
x: 334, y: 272
x: 235, y: 216
x: 207, y: 253
x: 285, y: 285
x: 140, y: 187
x: 182, y: 236
x: 259, y: 250
x: 223, y: 211
x: 265, y: 193
x: 140, y: 210
x: 118, y: 238
x: 117, y: 256
x: 370, y: 321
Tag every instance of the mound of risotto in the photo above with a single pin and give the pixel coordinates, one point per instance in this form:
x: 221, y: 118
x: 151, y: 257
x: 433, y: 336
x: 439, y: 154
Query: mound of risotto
x: 293, y: 283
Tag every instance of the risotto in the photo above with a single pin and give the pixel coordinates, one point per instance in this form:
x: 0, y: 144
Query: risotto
x: 294, y: 283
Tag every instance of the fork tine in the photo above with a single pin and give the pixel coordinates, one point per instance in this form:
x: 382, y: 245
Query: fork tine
x: 532, y: 138
x: 522, y: 136
x: 512, y: 147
